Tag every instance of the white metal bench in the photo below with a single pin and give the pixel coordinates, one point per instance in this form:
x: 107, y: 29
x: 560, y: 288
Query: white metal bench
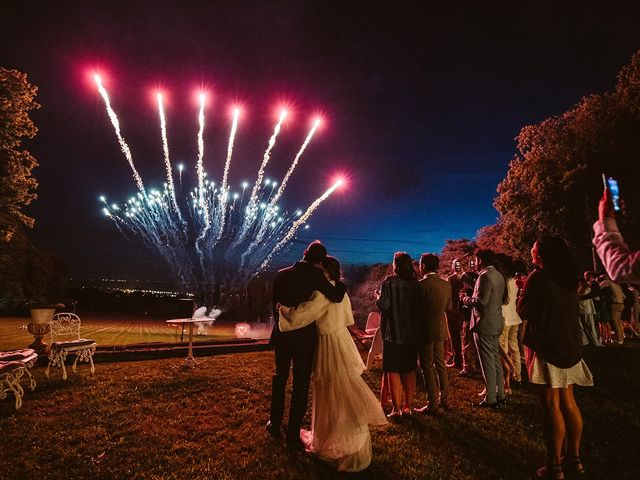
x: 65, y: 339
x: 13, y: 365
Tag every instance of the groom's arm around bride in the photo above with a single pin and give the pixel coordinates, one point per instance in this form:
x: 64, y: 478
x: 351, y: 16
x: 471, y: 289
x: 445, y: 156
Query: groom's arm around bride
x: 291, y: 287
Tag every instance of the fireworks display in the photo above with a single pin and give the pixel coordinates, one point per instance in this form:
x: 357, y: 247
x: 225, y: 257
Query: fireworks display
x: 215, y: 235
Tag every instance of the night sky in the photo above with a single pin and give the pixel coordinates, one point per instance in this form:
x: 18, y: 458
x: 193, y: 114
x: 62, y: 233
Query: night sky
x: 420, y: 108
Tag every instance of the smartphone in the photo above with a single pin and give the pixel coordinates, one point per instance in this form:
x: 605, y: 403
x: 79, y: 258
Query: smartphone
x: 611, y: 185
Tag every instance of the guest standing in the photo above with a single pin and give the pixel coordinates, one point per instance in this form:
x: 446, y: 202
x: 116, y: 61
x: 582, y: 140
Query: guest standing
x: 553, y: 351
x: 635, y: 308
x: 435, y: 295
x: 487, y: 324
x: 615, y: 303
x: 512, y: 321
x: 587, y: 311
x: 469, y: 354
x: 399, y: 303
x: 455, y: 316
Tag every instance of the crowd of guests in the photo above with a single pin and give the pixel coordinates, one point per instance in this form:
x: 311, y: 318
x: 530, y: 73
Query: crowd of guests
x: 488, y: 316
x: 496, y: 318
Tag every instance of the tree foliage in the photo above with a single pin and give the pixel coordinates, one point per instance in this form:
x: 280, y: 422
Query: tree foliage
x: 17, y: 186
x: 362, y: 296
x: 554, y: 182
x: 28, y: 274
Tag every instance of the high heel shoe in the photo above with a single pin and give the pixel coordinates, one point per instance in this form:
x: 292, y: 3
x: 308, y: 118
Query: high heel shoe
x: 394, y: 413
x: 552, y: 471
x: 575, y: 464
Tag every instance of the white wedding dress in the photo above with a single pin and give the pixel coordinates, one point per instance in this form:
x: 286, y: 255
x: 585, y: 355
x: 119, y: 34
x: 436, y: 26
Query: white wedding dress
x: 343, y: 404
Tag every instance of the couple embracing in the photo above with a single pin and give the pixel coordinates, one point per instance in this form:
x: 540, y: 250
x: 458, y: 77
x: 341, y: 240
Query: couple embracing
x: 312, y: 312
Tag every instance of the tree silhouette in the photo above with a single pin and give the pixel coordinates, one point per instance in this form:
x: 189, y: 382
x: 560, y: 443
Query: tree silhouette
x: 554, y: 182
x: 17, y: 186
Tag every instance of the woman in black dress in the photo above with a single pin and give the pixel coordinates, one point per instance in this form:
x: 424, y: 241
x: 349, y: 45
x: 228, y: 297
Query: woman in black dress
x: 399, y: 303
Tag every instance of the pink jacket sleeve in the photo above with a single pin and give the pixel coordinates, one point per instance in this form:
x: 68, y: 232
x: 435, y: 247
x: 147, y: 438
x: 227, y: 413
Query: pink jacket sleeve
x: 621, y: 264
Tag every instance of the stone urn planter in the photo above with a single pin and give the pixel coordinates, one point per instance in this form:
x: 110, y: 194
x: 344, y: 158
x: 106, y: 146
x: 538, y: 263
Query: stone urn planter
x: 41, y: 315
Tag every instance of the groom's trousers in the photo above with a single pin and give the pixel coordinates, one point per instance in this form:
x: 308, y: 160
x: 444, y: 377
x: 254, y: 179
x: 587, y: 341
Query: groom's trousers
x: 301, y: 354
x: 488, y: 347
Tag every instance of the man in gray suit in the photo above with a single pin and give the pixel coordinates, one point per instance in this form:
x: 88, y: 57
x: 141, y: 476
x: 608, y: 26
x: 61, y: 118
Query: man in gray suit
x: 435, y: 294
x: 487, y: 323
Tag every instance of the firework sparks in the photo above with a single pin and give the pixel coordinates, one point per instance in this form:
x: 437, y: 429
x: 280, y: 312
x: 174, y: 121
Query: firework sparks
x: 299, y: 222
x: 261, y: 234
x: 116, y: 125
x: 265, y: 160
x: 232, y: 138
x: 165, y: 149
x: 283, y: 185
x: 180, y: 169
x: 224, y: 194
x: 223, y: 235
x: 199, y: 164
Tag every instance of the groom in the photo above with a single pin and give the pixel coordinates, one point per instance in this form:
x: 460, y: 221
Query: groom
x: 291, y: 287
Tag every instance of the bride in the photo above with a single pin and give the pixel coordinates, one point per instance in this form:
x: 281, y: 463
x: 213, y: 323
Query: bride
x: 343, y: 405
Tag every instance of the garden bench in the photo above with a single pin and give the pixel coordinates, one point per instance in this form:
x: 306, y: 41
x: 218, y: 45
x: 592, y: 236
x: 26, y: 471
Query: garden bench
x: 67, y: 326
x: 13, y: 365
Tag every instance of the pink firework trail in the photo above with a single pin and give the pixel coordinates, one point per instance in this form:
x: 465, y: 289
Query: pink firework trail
x: 116, y: 125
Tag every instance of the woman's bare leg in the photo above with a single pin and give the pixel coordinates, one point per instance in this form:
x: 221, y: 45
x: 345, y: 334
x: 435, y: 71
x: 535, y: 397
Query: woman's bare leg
x: 384, y: 390
x: 573, y: 421
x: 409, y: 382
x: 554, y: 424
x: 605, y: 332
x: 395, y: 385
x: 507, y: 375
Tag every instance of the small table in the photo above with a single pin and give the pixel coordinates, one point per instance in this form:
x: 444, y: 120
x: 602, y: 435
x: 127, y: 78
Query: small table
x: 190, y: 362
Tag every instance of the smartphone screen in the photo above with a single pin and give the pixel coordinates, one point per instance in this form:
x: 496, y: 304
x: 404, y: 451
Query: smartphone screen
x: 614, y: 191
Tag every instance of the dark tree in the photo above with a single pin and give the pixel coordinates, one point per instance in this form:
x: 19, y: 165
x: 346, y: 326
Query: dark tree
x: 362, y: 299
x: 26, y: 273
x: 17, y: 186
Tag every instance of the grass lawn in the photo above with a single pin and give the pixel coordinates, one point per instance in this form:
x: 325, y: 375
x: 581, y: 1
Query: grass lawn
x: 113, y: 329
x: 150, y: 420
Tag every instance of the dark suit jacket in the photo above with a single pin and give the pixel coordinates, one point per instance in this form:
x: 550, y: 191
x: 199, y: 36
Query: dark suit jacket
x: 455, y: 280
x: 436, y: 299
x: 291, y: 287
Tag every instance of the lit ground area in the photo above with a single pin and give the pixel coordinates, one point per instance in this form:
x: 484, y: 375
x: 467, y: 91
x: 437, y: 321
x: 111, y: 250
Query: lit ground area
x: 112, y: 329
x: 150, y: 420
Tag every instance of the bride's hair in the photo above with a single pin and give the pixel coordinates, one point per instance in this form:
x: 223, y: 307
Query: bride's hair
x: 332, y: 265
